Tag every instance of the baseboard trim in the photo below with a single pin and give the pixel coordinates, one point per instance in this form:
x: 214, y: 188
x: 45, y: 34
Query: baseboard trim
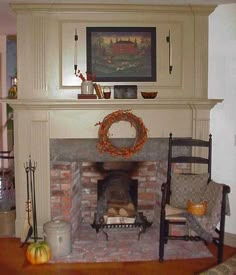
x: 230, y: 239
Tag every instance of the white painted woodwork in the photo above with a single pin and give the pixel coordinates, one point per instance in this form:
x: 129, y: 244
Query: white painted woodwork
x: 47, y: 106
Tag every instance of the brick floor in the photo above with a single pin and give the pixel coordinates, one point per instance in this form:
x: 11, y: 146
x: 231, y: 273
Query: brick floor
x: 123, y: 245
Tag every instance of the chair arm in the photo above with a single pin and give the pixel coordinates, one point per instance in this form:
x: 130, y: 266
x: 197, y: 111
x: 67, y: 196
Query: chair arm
x: 226, y: 189
x: 225, y: 208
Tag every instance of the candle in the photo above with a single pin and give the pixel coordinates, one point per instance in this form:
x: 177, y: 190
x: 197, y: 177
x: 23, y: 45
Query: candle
x: 171, y: 63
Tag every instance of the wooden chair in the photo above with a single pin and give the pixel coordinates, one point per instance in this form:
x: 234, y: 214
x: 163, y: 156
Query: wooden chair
x: 192, y: 183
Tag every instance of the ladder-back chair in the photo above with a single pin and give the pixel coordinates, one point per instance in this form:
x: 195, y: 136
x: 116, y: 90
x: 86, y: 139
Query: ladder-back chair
x: 193, y: 184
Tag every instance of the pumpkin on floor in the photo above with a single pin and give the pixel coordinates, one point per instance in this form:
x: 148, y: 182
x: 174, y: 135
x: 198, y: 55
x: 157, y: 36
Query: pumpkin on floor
x: 38, y: 253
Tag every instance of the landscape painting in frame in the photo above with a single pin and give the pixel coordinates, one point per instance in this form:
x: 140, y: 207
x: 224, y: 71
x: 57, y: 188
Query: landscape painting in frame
x: 121, y: 54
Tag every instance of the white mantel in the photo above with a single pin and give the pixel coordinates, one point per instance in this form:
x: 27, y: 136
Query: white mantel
x: 76, y: 118
x: 103, y: 104
x: 47, y: 107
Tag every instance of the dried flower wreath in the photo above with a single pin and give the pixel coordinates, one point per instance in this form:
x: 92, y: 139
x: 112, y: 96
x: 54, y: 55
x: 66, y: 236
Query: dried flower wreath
x: 105, y: 144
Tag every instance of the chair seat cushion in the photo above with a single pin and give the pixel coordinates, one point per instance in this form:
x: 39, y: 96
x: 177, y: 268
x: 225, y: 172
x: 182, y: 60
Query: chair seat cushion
x: 174, y: 213
x: 187, y: 187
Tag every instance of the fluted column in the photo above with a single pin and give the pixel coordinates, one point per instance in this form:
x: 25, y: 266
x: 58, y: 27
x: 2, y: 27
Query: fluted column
x: 32, y: 131
x: 201, y: 56
x: 39, y: 40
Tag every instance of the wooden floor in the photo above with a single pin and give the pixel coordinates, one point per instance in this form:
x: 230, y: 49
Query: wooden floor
x: 12, y: 261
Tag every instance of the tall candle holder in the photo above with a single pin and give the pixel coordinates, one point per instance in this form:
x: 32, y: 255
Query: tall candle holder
x: 168, y: 40
x: 87, y: 87
x: 76, y: 38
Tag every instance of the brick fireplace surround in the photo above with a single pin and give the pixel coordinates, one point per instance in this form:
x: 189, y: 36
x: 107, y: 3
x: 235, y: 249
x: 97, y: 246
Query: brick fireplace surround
x: 73, y: 188
x: 76, y: 166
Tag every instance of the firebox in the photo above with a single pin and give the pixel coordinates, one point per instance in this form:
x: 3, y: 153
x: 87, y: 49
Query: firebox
x: 117, y: 204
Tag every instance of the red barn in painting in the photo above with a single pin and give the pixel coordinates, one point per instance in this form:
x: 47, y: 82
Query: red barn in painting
x: 124, y: 47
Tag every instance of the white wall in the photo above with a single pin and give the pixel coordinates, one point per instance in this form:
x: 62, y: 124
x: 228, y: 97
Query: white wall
x: 222, y: 84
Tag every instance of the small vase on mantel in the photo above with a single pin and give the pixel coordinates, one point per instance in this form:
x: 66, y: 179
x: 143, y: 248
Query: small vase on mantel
x: 87, y: 87
x: 107, y: 92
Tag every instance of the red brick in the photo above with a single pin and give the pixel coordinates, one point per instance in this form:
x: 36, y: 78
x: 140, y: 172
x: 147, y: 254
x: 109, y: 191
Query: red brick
x: 57, y: 193
x: 54, y: 173
x: 66, y: 174
x: 146, y: 196
x: 66, y: 186
x: 150, y: 176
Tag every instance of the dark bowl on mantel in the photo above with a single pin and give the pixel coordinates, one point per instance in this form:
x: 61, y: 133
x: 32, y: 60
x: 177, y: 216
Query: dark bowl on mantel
x: 149, y: 95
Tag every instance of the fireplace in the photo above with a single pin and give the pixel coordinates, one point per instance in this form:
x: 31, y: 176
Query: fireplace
x: 83, y: 191
x: 47, y: 108
x: 62, y: 139
x: 58, y: 130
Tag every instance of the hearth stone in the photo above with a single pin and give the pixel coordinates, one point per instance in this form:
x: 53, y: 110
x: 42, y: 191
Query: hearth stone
x: 85, y: 150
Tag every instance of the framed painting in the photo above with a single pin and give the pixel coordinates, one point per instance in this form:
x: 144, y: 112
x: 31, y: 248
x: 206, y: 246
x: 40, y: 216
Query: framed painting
x: 121, y: 54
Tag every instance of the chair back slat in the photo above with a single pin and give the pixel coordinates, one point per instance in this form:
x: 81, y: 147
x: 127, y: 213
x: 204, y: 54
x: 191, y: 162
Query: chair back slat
x: 189, y: 159
x: 189, y: 142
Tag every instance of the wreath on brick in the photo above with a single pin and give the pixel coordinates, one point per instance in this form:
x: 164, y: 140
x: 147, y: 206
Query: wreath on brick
x: 105, y: 144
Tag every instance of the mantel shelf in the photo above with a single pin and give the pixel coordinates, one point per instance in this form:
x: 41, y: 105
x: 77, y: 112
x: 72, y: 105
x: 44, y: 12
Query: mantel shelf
x: 102, y: 104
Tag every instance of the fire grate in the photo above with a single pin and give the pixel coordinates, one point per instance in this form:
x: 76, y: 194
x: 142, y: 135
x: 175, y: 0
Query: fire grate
x: 140, y: 222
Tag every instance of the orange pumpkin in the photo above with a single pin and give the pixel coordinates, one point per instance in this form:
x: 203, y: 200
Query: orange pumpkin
x: 38, y: 253
x: 197, y: 209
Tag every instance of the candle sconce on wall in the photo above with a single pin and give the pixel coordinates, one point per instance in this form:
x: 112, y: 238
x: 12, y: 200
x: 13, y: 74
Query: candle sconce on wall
x: 76, y: 38
x: 168, y: 40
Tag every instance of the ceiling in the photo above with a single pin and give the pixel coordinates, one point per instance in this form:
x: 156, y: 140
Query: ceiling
x: 8, y: 18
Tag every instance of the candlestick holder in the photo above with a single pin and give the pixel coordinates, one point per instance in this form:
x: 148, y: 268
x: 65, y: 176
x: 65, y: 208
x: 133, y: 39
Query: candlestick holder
x: 168, y: 40
x: 76, y: 38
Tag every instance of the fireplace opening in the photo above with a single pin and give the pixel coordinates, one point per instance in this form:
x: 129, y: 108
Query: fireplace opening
x: 117, y: 195
x: 117, y: 203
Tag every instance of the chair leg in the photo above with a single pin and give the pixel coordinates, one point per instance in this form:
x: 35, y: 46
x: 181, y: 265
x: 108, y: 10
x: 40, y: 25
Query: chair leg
x: 220, y: 246
x: 222, y: 228
x: 161, y: 243
x: 162, y: 239
x: 164, y: 231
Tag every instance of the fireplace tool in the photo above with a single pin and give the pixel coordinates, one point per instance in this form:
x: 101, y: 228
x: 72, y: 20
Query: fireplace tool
x: 28, y: 208
x: 31, y: 216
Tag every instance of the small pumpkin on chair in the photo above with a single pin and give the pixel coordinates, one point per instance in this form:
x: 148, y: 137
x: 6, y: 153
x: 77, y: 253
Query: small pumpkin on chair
x: 197, y: 208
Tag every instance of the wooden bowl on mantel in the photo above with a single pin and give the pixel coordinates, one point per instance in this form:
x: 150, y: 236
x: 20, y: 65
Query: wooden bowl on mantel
x: 149, y: 95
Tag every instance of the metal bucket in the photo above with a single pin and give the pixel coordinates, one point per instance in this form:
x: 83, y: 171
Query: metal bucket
x: 57, y: 234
